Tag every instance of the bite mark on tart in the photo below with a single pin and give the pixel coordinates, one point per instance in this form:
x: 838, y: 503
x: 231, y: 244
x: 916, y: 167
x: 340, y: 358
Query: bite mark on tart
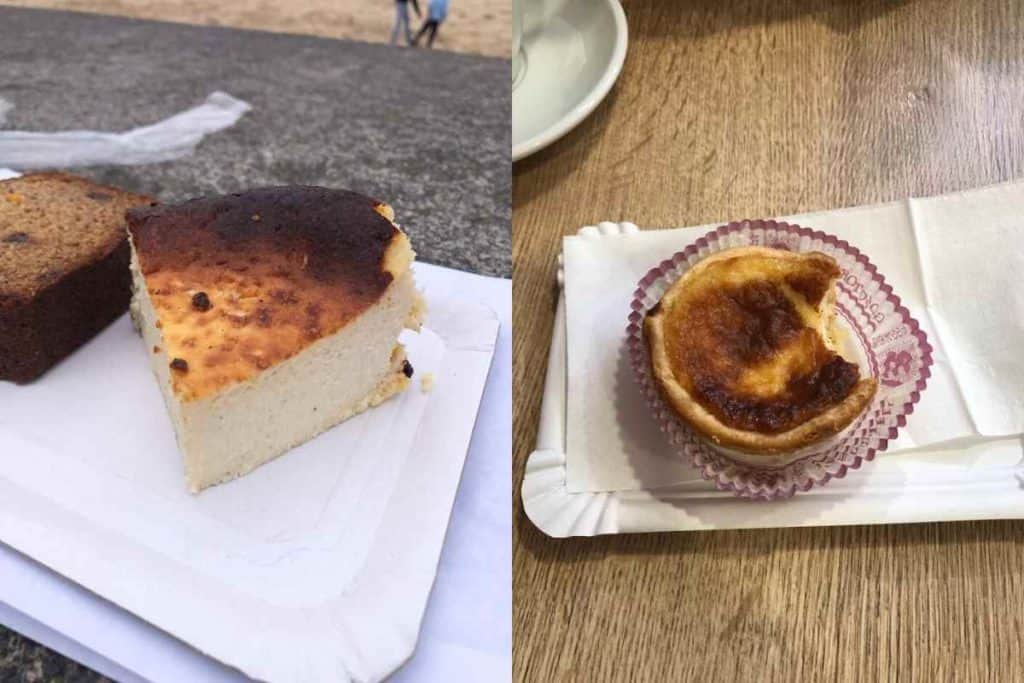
x: 743, y: 350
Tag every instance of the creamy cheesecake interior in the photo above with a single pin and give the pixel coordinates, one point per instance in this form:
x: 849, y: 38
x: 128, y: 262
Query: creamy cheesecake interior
x: 256, y: 359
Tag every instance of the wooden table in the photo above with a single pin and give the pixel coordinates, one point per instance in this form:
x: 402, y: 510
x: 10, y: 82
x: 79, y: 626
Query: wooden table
x: 730, y: 109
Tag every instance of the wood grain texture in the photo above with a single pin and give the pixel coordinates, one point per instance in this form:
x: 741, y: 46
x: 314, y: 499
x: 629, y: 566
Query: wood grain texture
x: 732, y: 109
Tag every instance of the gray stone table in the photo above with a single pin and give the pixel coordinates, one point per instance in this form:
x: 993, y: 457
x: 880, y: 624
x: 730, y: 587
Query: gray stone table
x: 426, y: 131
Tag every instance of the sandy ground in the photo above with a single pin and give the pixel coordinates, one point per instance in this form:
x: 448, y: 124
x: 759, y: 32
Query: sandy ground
x: 474, y: 26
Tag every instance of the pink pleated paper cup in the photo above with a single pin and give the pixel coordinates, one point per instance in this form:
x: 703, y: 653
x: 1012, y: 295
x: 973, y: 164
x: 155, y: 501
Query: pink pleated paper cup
x: 878, y: 332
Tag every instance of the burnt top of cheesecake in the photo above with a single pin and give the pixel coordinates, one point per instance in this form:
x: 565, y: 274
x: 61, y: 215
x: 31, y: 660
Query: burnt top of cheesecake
x: 334, y: 234
x: 746, y: 338
x: 241, y: 282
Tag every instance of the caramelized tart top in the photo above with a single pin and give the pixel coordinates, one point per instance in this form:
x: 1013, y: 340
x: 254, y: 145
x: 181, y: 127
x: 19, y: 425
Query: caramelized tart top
x: 747, y: 335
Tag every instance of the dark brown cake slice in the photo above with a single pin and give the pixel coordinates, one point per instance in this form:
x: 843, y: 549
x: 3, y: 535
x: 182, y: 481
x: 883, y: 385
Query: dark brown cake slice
x: 63, y: 267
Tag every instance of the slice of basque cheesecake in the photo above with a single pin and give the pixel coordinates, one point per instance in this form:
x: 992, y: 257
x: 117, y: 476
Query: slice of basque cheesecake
x: 270, y: 316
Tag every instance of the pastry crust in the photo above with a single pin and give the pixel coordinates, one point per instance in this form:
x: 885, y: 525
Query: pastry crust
x: 818, y: 427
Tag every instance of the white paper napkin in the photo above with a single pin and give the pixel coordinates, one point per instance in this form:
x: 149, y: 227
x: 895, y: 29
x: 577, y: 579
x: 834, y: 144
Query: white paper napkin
x: 953, y: 260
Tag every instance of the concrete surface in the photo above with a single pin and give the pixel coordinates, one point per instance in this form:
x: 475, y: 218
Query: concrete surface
x: 426, y: 131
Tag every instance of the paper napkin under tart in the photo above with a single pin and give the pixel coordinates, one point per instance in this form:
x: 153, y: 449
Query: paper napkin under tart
x: 955, y: 261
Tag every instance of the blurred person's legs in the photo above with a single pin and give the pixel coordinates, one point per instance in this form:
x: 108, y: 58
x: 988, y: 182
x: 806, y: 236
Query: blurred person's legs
x: 429, y: 25
x: 401, y: 22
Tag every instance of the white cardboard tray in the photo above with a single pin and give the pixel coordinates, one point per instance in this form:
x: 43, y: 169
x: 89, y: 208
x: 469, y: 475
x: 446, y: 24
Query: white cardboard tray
x: 982, y: 482
x: 316, y: 567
